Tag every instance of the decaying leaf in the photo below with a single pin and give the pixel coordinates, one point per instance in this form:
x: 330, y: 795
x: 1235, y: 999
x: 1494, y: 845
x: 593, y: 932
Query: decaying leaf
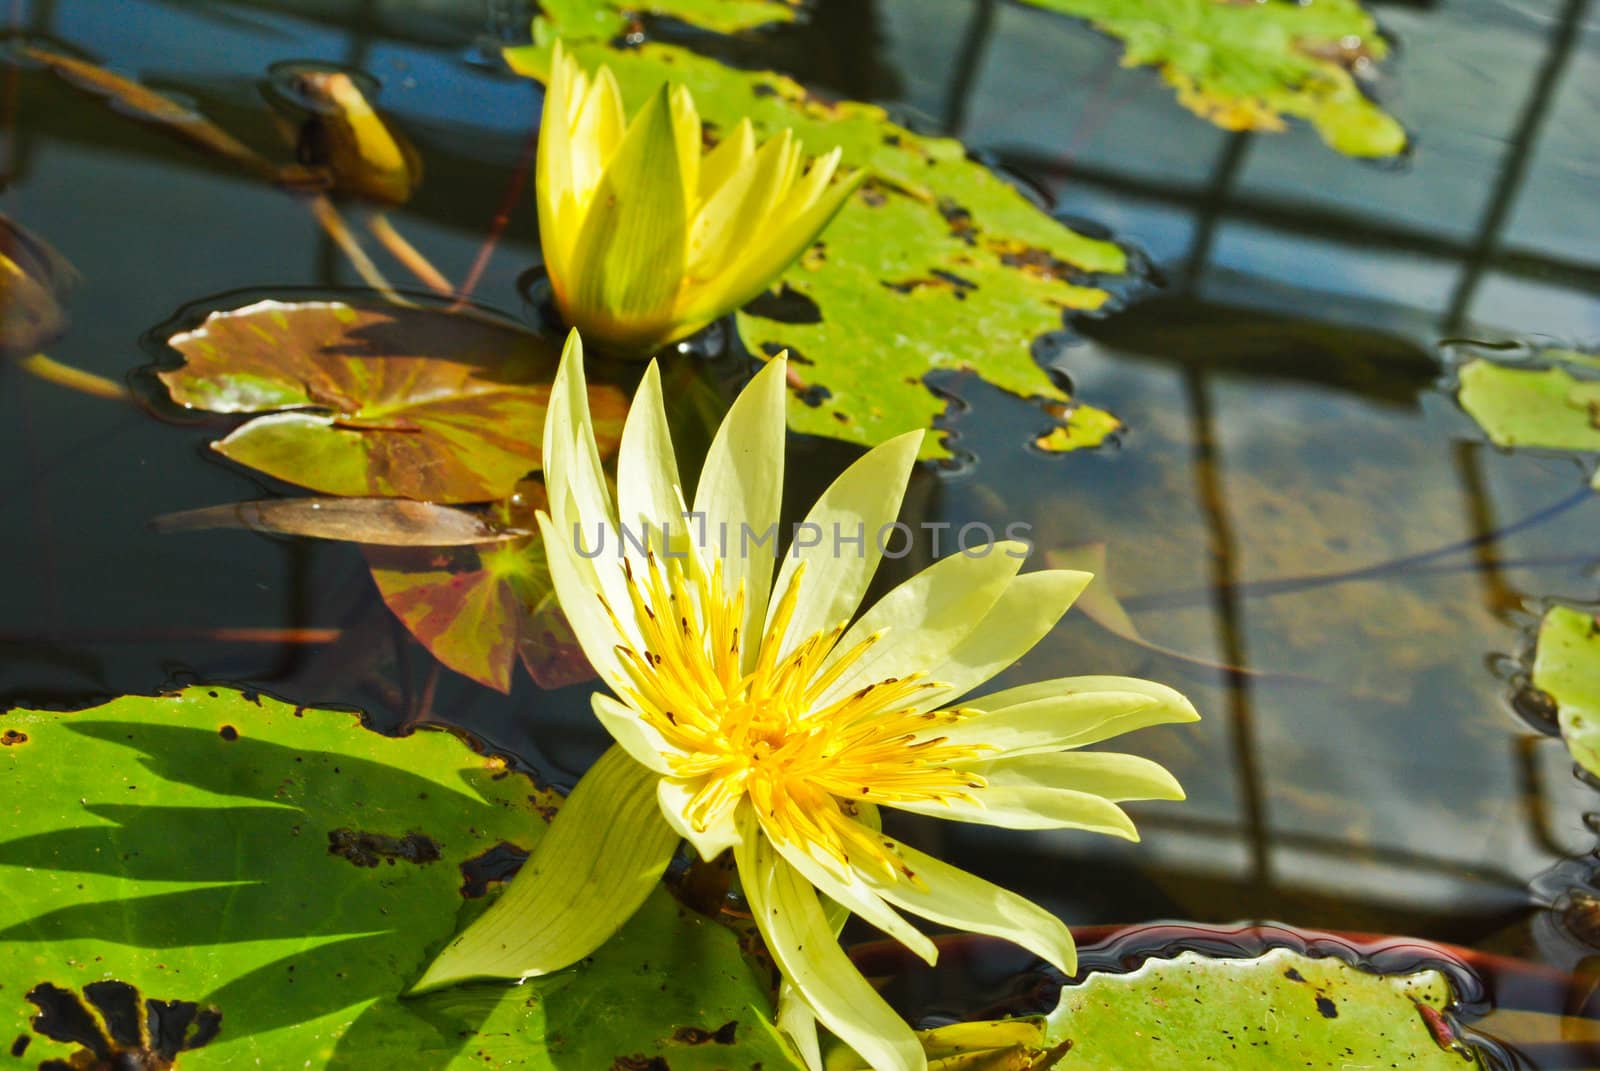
x: 1017, y: 1044
x: 386, y: 522
x: 237, y: 882
x: 1246, y: 66
x: 481, y: 609
x: 146, y: 104
x: 936, y: 264
x: 610, y: 18
x: 1566, y: 667
x: 1279, y: 1010
x: 378, y: 400
x: 33, y: 280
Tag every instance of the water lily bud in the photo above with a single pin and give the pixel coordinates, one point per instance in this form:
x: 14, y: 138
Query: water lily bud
x: 365, y: 157
x: 33, y: 279
x: 647, y: 237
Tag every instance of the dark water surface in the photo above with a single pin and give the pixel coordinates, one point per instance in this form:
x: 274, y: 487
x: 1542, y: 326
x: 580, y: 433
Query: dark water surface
x: 1293, y: 452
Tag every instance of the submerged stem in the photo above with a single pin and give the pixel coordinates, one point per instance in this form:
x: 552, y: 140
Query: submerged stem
x: 408, y: 254
x: 62, y: 375
x: 332, y: 222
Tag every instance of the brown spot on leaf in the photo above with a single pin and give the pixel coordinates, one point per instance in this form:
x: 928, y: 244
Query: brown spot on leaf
x: 1327, y: 1008
x: 371, y: 849
x: 1032, y: 260
x: 228, y: 733
x: 725, y: 1034
x: 640, y: 1062
x: 20, y: 1046
x: 138, y: 1035
x: 1443, y: 1036
x: 936, y: 279
x: 959, y: 219
x: 11, y: 738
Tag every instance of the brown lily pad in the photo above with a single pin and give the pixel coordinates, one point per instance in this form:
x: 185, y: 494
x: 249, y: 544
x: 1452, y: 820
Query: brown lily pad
x: 480, y: 609
x: 379, y: 400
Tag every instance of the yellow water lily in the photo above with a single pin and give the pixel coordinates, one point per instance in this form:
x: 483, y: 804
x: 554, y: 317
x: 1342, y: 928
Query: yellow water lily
x: 645, y: 239
x: 755, y: 715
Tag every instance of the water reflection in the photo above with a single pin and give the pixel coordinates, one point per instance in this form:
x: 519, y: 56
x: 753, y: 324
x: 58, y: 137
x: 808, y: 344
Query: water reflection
x: 1295, y: 493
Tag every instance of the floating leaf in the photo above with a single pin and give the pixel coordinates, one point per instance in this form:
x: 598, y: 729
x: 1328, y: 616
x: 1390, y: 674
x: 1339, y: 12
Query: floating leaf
x: 936, y: 264
x: 33, y: 279
x: 1547, y: 408
x: 480, y: 609
x: 1279, y: 1010
x: 1566, y: 666
x: 144, y: 103
x: 1246, y: 66
x: 389, y: 522
x: 610, y: 18
x: 238, y: 882
x: 379, y: 400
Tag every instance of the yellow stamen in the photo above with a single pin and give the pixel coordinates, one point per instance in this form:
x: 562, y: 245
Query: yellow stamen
x: 768, y: 737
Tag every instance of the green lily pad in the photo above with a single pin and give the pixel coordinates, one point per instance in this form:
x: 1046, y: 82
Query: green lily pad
x: 1547, y: 408
x: 1246, y: 66
x: 609, y: 18
x: 936, y: 264
x: 481, y: 609
x: 229, y: 881
x: 1279, y: 1010
x: 379, y: 400
x: 1566, y: 666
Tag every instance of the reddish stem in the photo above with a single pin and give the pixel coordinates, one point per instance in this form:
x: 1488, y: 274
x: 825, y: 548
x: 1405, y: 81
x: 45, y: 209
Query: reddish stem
x: 502, y: 218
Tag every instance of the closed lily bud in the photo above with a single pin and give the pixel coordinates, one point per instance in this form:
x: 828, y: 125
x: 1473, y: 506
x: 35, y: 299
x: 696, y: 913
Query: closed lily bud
x: 33, y: 277
x: 647, y: 238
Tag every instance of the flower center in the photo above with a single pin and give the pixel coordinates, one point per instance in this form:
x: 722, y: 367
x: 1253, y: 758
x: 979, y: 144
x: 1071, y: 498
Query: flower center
x: 804, y: 758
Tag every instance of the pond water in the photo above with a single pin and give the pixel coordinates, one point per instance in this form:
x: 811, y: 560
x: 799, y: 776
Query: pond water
x: 1297, y: 495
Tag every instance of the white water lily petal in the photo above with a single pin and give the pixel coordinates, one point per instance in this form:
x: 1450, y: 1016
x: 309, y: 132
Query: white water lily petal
x: 1069, y: 712
x: 924, y: 619
x: 604, y: 853
x: 741, y: 488
x: 722, y: 826
x: 847, y: 889
x: 647, y: 470
x: 797, y: 932
x: 1032, y: 808
x: 633, y: 734
x: 861, y: 502
x: 1024, y: 615
x: 952, y: 897
x: 1114, y: 776
x: 580, y: 598
x: 798, y: 1022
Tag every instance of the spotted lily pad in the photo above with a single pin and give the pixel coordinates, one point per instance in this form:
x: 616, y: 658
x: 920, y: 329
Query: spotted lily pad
x: 610, y: 18
x: 936, y: 264
x: 1566, y: 666
x: 218, y: 880
x: 378, y: 400
x: 1278, y: 1010
x: 1246, y: 66
x: 1547, y: 408
x: 481, y: 609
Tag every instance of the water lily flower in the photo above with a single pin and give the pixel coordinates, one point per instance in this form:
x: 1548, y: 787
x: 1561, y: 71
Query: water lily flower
x: 645, y: 239
x: 754, y: 715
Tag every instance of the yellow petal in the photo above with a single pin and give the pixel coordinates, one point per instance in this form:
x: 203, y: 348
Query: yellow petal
x: 952, y: 897
x: 1114, y: 776
x: 627, y: 265
x: 736, y: 216
x: 860, y: 504
x: 797, y: 932
x: 739, y: 493
x: 647, y: 469
x: 604, y: 853
x: 925, y: 618
x: 1024, y: 615
x: 1069, y: 712
x: 727, y: 159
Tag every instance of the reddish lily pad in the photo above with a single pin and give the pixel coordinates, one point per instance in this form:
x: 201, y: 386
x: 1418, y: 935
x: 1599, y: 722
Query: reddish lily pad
x: 479, y: 609
x: 378, y: 400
